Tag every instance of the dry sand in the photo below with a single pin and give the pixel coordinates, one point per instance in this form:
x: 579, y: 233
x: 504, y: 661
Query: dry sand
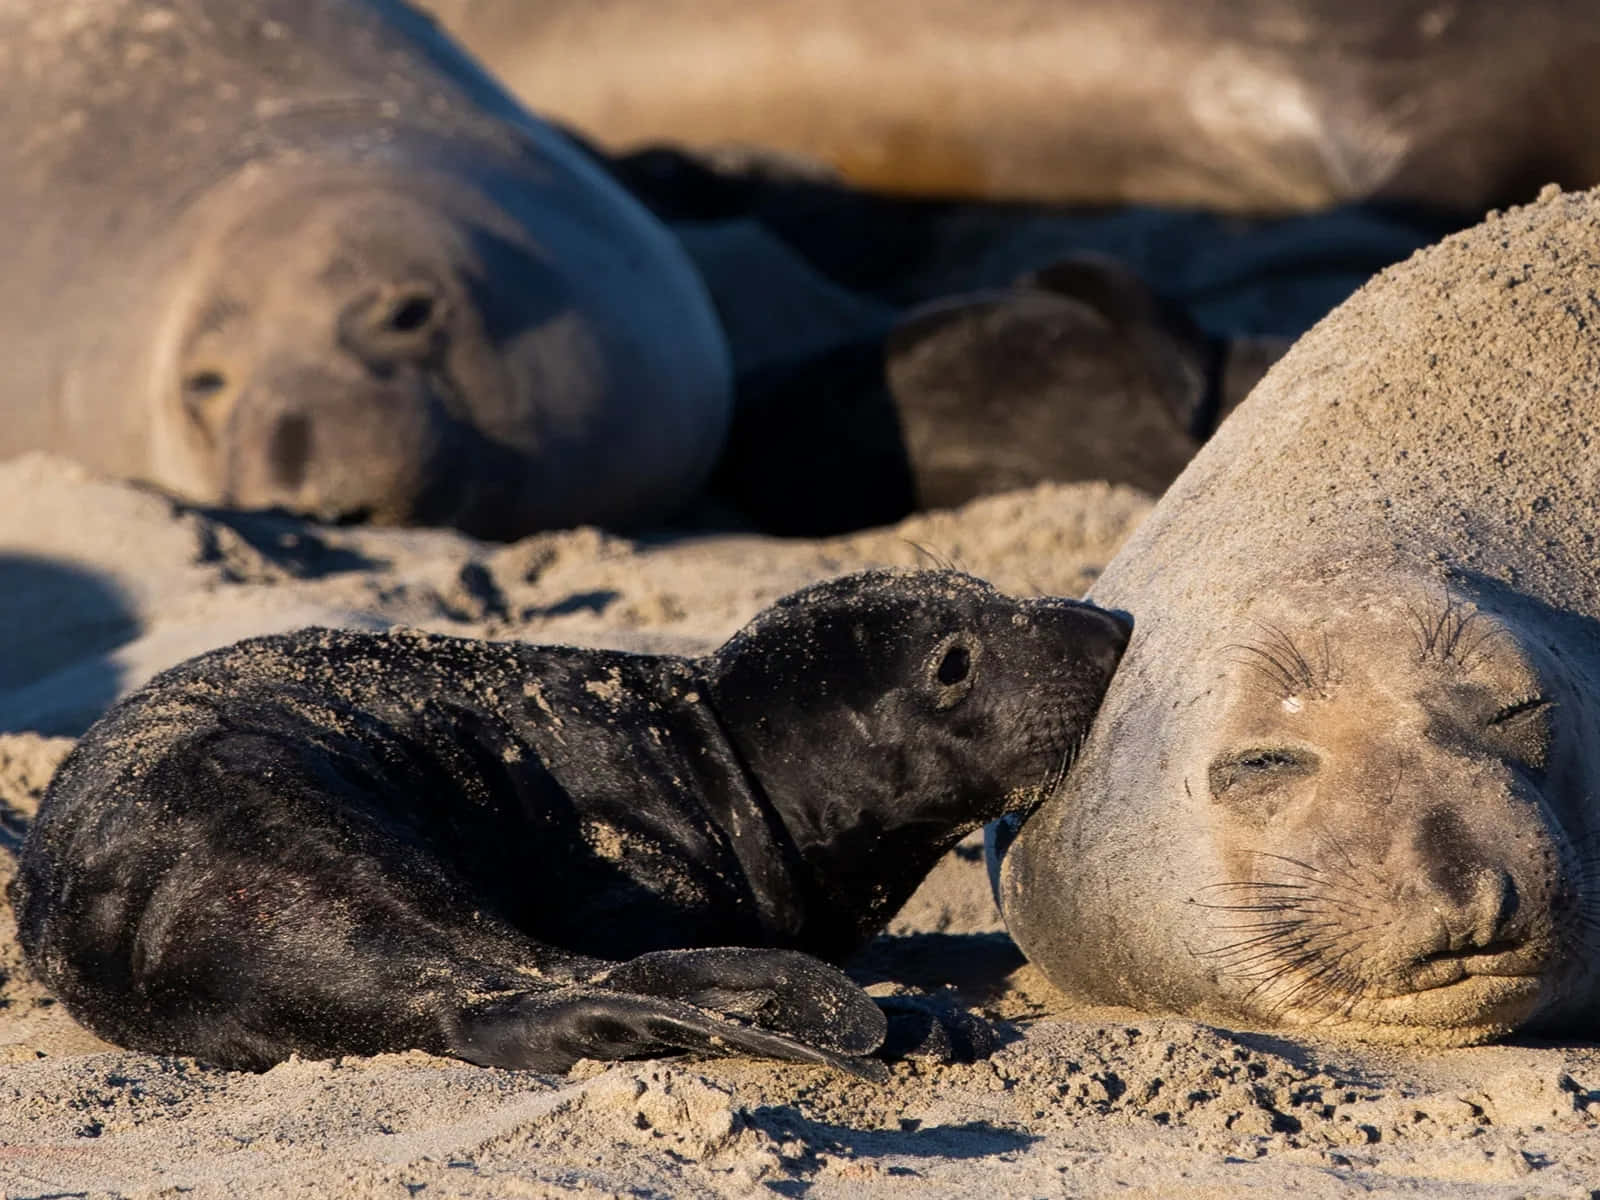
x: 102, y: 584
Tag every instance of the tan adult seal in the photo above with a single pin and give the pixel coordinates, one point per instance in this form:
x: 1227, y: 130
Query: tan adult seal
x: 305, y: 253
x: 1235, y: 104
x: 1348, y: 774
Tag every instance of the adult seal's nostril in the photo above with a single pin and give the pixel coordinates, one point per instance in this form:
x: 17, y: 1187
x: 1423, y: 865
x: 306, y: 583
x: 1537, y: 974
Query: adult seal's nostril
x: 1494, y: 910
x: 1479, y: 918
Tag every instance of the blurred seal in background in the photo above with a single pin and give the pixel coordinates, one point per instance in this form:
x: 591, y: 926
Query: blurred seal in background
x: 306, y: 254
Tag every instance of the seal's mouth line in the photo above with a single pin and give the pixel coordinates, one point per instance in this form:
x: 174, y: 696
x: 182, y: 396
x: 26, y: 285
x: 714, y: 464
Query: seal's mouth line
x: 1466, y: 978
x: 1463, y: 1012
x: 1449, y: 968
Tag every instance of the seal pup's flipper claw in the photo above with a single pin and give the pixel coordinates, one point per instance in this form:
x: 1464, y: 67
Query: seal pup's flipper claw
x: 549, y: 1031
x: 781, y: 990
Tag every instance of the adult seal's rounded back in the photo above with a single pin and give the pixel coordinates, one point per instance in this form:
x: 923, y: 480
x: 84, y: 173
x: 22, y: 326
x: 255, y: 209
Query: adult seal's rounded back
x: 332, y: 842
x: 305, y: 253
x: 1261, y: 105
x: 1347, y: 774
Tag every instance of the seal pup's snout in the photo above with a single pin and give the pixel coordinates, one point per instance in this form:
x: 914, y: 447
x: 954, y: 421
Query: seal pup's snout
x: 1099, y: 632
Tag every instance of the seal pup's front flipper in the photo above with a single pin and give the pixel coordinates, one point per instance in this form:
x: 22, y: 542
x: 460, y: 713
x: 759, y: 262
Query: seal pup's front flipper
x: 550, y: 1031
x: 788, y: 992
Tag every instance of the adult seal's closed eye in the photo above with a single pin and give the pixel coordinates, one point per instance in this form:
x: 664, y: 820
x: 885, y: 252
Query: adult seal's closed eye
x: 1346, y: 776
x: 331, y: 842
x: 308, y: 255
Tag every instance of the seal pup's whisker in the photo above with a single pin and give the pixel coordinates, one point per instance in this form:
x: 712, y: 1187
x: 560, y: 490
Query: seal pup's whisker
x: 938, y: 561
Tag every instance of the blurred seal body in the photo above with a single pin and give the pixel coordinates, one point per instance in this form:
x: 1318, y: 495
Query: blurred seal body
x: 1256, y: 105
x: 333, y: 842
x: 1347, y: 773
x: 305, y: 253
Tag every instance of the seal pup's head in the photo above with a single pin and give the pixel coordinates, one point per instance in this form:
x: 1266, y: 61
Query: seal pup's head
x: 437, y: 339
x: 885, y: 715
x: 1367, y: 811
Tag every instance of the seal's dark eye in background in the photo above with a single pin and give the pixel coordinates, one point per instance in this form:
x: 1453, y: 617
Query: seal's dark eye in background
x: 400, y: 323
x: 1249, y: 777
x: 950, y: 669
x: 410, y: 314
x: 205, y: 383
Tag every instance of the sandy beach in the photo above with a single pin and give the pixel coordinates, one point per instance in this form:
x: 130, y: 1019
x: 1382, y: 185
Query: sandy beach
x: 105, y: 583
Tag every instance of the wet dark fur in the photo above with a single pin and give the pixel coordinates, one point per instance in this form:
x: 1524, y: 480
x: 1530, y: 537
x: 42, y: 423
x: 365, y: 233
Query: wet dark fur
x: 338, y: 842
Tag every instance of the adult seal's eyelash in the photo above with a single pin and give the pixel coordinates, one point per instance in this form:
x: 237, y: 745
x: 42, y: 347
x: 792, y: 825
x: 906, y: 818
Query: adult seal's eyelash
x: 1521, y: 708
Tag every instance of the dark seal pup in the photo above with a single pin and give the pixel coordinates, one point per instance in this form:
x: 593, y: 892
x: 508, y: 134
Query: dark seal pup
x: 334, y: 842
x: 305, y: 253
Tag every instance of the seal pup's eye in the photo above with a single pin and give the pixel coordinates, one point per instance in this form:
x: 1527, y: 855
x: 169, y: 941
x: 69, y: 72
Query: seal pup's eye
x: 950, y: 669
x: 1247, y: 776
x: 955, y: 664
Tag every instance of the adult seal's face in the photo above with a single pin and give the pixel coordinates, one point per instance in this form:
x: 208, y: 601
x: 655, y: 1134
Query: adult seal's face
x: 400, y: 347
x: 1367, y: 808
